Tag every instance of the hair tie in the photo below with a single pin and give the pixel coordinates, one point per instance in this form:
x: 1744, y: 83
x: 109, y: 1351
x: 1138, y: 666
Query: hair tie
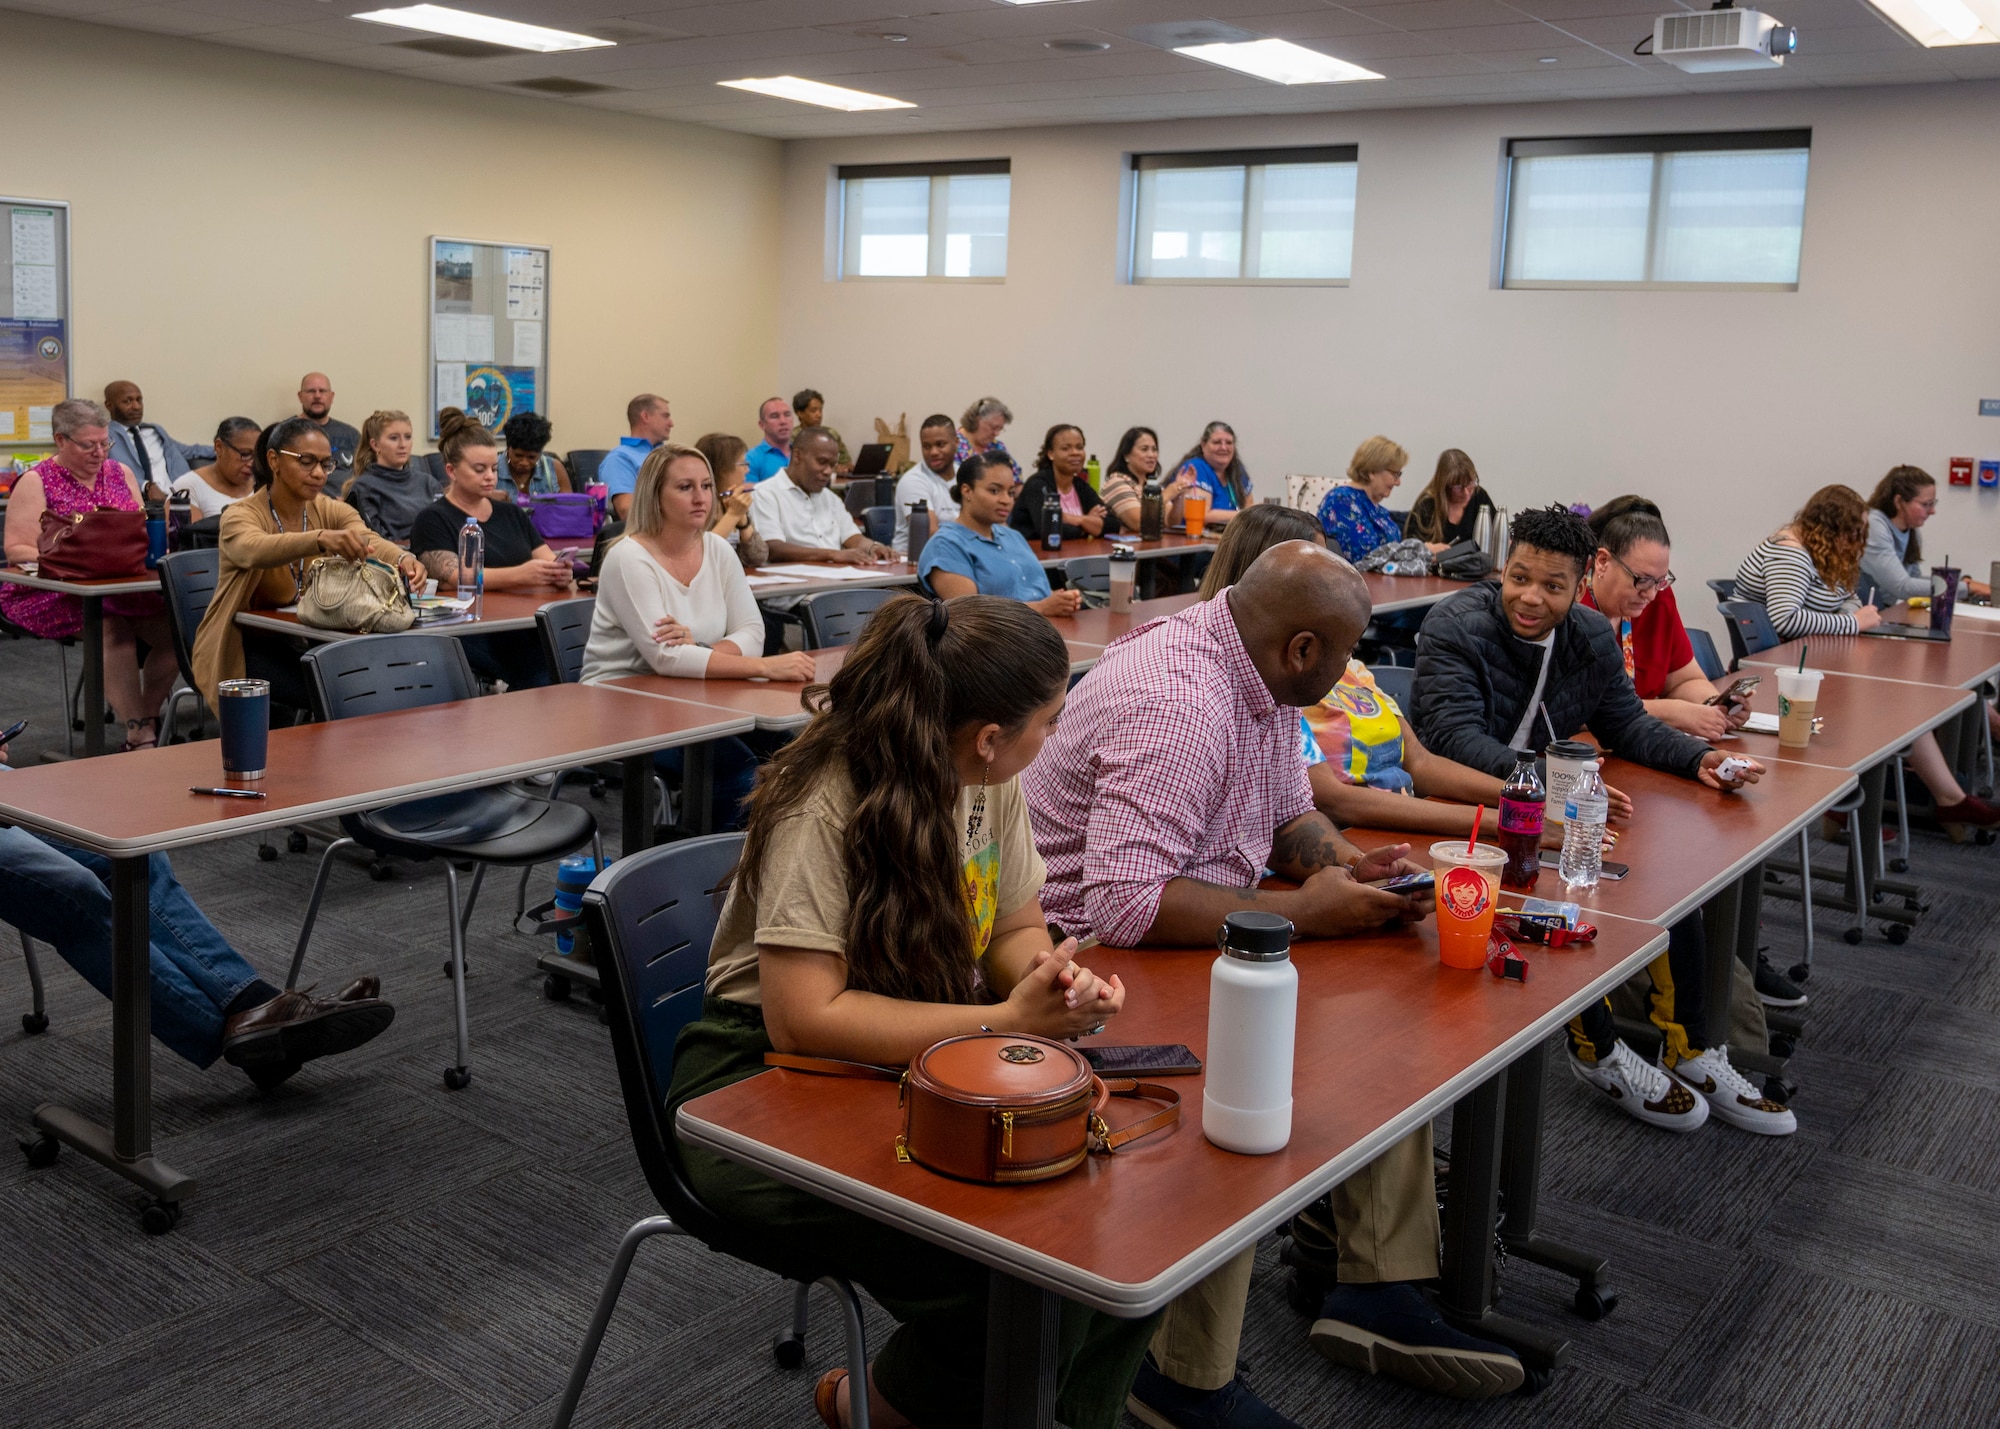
x: 940, y: 621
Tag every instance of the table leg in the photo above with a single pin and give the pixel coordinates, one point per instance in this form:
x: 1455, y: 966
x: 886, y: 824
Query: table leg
x: 127, y: 1147
x: 698, y: 788
x: 1471, y: 1211
x: 635, y: 822
x: 1520, y: 1190
x: 1722, y: 924
x: 1021, y: 1327
x: 93, y: 675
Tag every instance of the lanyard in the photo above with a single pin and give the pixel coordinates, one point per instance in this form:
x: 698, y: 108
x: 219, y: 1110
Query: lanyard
x: 298, y: 567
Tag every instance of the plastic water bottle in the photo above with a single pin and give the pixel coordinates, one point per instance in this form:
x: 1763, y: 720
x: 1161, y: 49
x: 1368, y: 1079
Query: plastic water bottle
x: 573, y: 876
x: 471, y: 560
x: 1253, y: 1019
x: 1584, y: 813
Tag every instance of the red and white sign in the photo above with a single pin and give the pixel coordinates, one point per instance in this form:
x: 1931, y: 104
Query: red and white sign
x: 1961, y: 471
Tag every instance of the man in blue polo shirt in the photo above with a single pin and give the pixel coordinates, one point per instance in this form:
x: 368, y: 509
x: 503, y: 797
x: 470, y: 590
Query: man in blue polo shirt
x: 776, y: 420
x: 651, y: 423
x: 980, y: 553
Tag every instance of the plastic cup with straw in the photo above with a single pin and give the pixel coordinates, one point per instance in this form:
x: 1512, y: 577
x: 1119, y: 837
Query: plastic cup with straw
x: 1468, y: 885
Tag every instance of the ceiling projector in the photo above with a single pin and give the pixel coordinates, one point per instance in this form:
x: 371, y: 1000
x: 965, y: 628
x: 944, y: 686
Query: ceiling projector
x: 1711, y: 41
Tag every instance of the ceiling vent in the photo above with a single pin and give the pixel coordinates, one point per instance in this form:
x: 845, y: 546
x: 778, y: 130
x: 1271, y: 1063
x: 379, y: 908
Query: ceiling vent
x: 557, y: 84
x: 457, y: 49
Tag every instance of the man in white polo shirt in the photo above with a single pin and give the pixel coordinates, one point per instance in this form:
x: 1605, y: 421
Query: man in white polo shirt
x: 803, y: 520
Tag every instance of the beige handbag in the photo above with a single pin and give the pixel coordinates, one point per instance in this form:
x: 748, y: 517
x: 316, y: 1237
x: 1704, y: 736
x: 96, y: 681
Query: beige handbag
x: 365, y: 597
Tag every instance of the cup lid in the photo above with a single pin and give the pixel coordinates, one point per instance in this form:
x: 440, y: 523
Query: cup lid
x: 1570, y: 749
x: 1259, y: 935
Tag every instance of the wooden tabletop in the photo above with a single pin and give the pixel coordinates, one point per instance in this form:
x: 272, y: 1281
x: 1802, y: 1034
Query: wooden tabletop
x: 139, y: 802
x: 497, y: 611
x: 1865, y: 721
x: 1408, y: 592
x: 1969, y: 658
x: 1101, y: 627
x: 1171, y: 544
x: 117, y: 585
x: 1387, y: 1037
x: 886, y: 573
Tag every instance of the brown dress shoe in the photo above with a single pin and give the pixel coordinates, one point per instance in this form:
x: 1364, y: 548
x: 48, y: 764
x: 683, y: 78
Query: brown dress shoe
x: 295, y: 1027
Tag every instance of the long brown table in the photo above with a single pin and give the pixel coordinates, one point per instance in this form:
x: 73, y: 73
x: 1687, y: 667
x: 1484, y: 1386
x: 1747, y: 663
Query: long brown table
x: 139, y: 804
x: 1970, y: 658
x: 92, y: 594
x: 1387, y: 1037
x: 496, y: 611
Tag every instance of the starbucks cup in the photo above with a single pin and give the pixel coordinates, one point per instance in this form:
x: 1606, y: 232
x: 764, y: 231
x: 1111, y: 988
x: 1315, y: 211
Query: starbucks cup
x: 1798, y: 698
x: 1566, y: 758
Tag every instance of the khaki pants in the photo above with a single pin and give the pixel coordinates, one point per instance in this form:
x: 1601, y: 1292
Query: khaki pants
x: 1386, y: 1217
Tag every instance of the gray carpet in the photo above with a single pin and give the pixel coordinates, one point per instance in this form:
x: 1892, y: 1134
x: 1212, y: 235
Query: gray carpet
x: 370, y: 1249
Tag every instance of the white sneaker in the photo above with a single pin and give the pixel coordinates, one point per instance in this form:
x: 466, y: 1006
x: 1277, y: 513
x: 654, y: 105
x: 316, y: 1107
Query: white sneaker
x: 1733, y: 1097
x: 1640, y: 1089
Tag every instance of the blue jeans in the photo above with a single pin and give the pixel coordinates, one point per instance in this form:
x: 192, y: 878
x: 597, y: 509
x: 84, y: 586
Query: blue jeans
x: 734, y: 766
x: 62, y: 897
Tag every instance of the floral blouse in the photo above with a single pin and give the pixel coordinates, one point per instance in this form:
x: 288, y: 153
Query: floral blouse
x: 1355, y: 523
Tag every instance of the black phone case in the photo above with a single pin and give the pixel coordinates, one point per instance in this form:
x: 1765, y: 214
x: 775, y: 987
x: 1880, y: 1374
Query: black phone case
x: 1172, y: 1060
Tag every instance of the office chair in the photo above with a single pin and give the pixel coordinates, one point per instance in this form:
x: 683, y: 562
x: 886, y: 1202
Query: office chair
x: 1398, y: 682
x: 1089, y: 574
x: 652, y: 917
x: 879, y: 522
x: 835, y: 617
x: 36, y: 1020
x: 1724, y: 589
x: 1705, y: 653
x: 582, y: 463
x: 1750, y: 630
x: 187, y: 580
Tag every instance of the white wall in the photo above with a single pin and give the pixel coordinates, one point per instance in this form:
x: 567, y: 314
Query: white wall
x: 1726, y: 407
x: 239, y: 218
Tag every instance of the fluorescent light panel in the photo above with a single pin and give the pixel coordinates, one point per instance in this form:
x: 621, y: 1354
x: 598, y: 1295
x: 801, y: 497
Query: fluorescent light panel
x: 463, y: 24
x: 1283, y: 62
x: 811, y: 91
x: 1934, y: 23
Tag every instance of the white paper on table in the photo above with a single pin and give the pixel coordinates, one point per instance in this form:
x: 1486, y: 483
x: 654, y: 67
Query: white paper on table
x: 803, y: 572
x: 755, y: 581
x: 34, y: 237
x: 527, y: 344
x: 450, y: 385
x: 7, y: 422
x: 479, y: 337
x: 448, y: 337
x: 1989, y: 613
x: 1761, y: 723
x: 34, y: 291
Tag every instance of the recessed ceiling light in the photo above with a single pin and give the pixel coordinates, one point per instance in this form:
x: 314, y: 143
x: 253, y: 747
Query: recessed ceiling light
x: 1546, y: 60
x: 1280, y: 61
x: 442, y: 20
x: 811, y: 91
x: 1932, y: 23
x: 1076, y: 47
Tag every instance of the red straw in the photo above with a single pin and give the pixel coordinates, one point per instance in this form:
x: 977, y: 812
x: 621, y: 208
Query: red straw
x: 1472, y: 844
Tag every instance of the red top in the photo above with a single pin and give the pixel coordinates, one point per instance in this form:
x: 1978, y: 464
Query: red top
x: 1656, y: 644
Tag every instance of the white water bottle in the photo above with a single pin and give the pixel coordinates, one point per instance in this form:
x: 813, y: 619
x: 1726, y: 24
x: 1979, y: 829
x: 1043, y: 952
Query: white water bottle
x: 471, y: 560
x: 1253, y: 1016
x: 1584, y: 813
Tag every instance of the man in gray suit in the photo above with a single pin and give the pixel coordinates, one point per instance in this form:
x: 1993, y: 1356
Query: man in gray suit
x: 141, y: 446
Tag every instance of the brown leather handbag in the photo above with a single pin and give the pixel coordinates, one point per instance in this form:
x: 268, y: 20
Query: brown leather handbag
x: 1001, y: 1107
x: 103, y: 544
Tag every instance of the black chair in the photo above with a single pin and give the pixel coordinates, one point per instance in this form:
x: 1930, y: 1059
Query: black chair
x: 1402, y: 520
x: 187, y: 580
x: 202, y: 535
x: 1089, y: 574
x: 1705, y: 653
x: 1724, y: 589
x: 880, y: 523
x: 376, y: 673
x: 1398, y: 682
x: 36, y: 1020
x: 582, y: 463
x: 835, y: 617
x: 564, y: 626
x: 651, y: 918
x: 1749, y: 627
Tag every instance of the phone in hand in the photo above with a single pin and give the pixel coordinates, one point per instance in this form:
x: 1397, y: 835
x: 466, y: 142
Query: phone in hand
x: 1158, y: 1061
x: 1738, y: 691
x: 7, y: 734
x: 1423, y: 882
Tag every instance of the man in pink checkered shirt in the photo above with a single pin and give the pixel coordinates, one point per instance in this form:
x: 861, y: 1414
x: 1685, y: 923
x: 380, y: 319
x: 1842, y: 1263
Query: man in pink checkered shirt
x: 1173, y: 780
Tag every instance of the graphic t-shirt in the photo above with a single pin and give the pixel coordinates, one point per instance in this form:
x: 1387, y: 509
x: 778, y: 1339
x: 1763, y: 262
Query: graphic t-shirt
x: 1358, y: 730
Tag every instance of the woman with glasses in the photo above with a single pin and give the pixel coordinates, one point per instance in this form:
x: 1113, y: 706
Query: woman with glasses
x: 226, y: 480
x: 267, y: 541
x: 1894, y: 557
x: 81, y: 477
x: 1629, y: 581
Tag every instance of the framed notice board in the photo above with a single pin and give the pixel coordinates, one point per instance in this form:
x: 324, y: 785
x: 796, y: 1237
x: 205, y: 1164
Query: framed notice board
x: 34, y: 317
x: 489, y: 329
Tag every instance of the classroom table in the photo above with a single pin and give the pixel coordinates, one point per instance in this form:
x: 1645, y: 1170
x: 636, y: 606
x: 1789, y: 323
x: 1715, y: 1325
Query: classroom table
x: 1969, y: 659
x: 92, y: 594
x: 140, y: 804
x: 1172, y: 543
x: 1387, y: 1038
x: 1392, y: 593
x: 496, y: 612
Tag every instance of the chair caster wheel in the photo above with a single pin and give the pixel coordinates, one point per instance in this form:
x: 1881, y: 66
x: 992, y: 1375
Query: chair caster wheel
x: 267, y: 853
x: 41, y: 1150
x: 1779, y: 1090
x: 1782, y: 1048
x: 1799, y: 972
x: 556, y: 989
x: 789, y: 1351
x: 1899, y: 865
x: 295, y: 842
x: 33, y: 1022
x: 1897, y: 933
x: 160, y: 1217
x: 1911, y: 905
x: 457, y: 1078
x: 1983, y: 837
x: 1594, y: 1303
x: 597, y: 788
x: 381, y: 872
x: 1534, y: 1379
x: 1852, y: 937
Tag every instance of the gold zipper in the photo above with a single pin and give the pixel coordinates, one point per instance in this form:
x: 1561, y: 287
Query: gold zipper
x: 1006, y: 1133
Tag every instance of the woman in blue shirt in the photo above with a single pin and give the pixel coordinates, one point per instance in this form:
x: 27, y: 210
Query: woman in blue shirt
x: 1352, y: 515
x: 1215, y: 467
x: 979, y: 553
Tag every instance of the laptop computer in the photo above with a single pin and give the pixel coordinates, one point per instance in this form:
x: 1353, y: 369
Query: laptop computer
x: 1908, y: 632
x: 872, y: 459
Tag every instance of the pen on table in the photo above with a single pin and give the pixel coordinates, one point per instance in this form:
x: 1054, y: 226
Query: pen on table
x: 228, y: 793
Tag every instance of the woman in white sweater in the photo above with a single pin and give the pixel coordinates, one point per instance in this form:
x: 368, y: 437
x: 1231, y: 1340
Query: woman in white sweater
x: 672, y: 600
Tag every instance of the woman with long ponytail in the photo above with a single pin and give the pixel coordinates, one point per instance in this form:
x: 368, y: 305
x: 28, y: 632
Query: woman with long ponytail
x: 889, y: 897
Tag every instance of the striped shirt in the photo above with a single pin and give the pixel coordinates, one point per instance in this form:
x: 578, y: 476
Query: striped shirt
x: 1784, y: 581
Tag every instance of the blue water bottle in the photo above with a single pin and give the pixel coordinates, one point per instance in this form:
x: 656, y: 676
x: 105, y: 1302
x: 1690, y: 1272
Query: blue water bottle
x: 573, y: 876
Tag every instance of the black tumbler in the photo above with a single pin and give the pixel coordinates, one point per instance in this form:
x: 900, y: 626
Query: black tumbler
x: 245, y: 716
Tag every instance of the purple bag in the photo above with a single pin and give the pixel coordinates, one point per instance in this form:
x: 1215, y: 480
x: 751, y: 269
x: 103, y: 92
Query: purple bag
x: 564, y: 515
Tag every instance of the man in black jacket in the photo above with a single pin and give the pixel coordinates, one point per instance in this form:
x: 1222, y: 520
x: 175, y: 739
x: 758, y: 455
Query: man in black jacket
x: 1508, y: 666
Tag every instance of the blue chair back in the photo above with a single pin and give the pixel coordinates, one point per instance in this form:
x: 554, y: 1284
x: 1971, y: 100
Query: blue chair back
x: 1724, y: 589
x: 1090, y: 574
x: 187, y: 580
x: 1705, y: 653
x: 879, y: 522
x: 1866, y: 590
x: 1749, y: 626
x: 564, y: 626
x: 835, y: 617
x: 1402, y: 521
x: 1398, y: 682
x: 373, y: 674
x: 582, y: 463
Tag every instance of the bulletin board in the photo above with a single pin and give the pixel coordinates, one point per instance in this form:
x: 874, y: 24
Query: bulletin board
x: 489, y: 329
x: 34, y: 317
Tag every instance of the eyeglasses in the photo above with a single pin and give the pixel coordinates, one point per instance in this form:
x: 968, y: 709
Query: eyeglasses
x: 248, y: 453
x: 310, y: 463
x: 1644, y: 584
x: 102, y: 448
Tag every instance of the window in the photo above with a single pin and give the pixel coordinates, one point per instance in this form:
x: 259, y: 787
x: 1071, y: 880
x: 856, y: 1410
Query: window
x: 1665, y: 210
x: 924, y: 220
x: 1267, y: 215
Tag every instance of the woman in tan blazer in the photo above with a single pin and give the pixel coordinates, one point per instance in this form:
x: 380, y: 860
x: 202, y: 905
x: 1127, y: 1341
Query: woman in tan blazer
x: 267, y: 540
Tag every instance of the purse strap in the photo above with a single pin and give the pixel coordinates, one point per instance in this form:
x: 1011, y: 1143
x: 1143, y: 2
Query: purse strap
x: 829, y: 1067
x: 1167, y: 1116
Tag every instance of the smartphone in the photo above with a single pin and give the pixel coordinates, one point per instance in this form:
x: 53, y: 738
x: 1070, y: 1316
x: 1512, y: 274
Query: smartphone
x: 1552, y: 858
x: 1738, y: 691
x: 7, y: 734
x: 1408, y: 883
x: 1162, y: 1061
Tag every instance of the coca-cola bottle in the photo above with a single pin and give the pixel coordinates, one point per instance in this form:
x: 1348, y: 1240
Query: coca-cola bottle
x: 1522, y: 800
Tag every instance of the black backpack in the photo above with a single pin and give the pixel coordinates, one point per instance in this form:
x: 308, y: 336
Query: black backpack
x: 1464, y: 562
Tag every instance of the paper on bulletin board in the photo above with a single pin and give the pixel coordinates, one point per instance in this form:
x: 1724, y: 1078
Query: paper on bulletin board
x: 479, y: 337
x: 35, y: 237
x: 448, y: 337
x: 450, y: 385
x: 527, y: 282
x: 527, y: 344
x: 33, y: 376
x: 35, y: 291
x: 41, y: 424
